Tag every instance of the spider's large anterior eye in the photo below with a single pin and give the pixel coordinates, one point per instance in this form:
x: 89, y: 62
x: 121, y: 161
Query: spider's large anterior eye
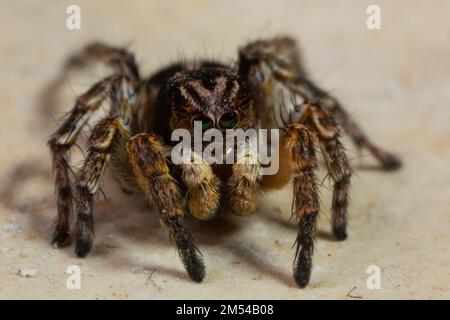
x: 206, y: 122
x: 228, y: 120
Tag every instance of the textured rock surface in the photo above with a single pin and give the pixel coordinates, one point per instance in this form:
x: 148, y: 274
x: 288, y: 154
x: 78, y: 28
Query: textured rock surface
x: 394, y: 81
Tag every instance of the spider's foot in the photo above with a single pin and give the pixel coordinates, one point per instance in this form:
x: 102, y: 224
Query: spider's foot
x: 302, y: 271
x: 391, y: 162
x: 61, y: 239
x: 82, y: 247
x: 193, y: 264
x: 244, y: 203
x: 340, y: 233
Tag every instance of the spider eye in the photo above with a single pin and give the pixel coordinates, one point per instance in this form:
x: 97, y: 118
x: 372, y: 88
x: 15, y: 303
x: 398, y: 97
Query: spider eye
x: 207, y: 123
x: 228, y: 120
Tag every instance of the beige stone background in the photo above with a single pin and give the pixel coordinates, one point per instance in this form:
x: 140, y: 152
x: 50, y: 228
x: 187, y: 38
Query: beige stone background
x: 395, y: 82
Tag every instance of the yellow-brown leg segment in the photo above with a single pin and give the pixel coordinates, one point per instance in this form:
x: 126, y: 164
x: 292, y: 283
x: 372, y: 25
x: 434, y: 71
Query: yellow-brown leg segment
x: 100, y: 146
x: 244, y: 183
x: 203, y: 196
x: 147, y: 157
x: 300, y: 145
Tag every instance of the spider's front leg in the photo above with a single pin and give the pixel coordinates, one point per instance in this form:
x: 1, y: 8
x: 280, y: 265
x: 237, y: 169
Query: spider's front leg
x: 297, y: 153
x: 149, y: 163
x: 106, y: 135
x: 299, y: 147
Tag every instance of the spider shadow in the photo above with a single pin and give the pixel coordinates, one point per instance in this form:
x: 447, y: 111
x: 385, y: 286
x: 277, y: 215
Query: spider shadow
x: 270, y: 269
x: 17, y: 177
x: 321, y: 234
x: 218, y: 231
x: 130, y: 217
x: 122, y: 215
x: 375, y: 168
x: 242, y: 251
x: 278, y: 219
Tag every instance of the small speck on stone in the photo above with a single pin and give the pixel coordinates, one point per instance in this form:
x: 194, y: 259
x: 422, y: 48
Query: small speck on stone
x: 27, y: 272
x: 12, y: 227
x: 393, y: 90
x: 138, y: 269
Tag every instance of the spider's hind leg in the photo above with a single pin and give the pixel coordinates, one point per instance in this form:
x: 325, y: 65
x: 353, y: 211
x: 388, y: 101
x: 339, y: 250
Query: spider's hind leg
x: 388, y: 161
x: 306, y: 88
x: 119, y: 59
x: 61, y: 142
x: 118, y: 89
x: 277, y: 61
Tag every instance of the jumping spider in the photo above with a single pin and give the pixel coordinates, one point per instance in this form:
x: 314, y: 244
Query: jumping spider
x: 134, y: 140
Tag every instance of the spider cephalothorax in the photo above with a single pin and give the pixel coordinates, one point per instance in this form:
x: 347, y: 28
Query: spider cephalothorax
x: 214, y: 95
x: 135, y: 142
